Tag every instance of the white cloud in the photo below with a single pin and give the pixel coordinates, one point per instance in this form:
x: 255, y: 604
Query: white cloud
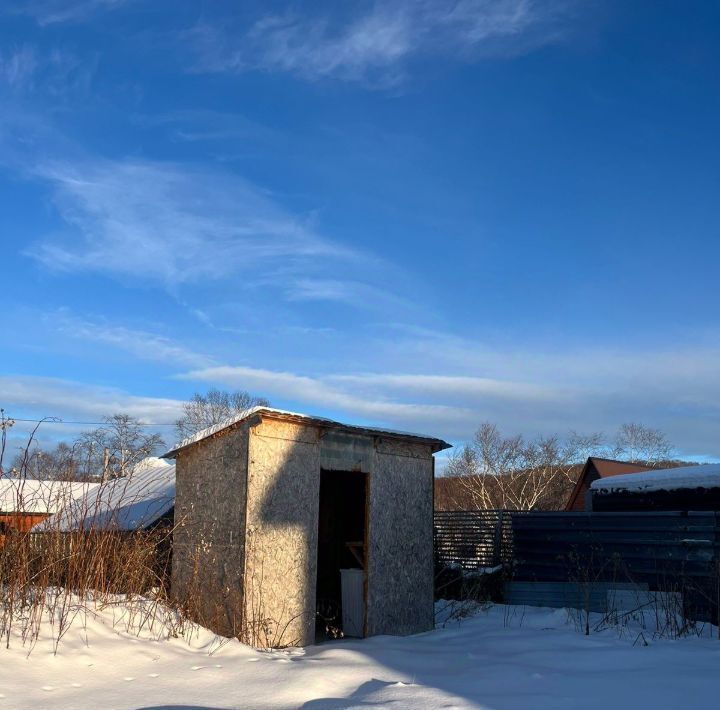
x: 58, y: 73
x: 40, y: 397
x: 49, y: 12
x: 67, y: 399
x: 353, y: 293
x: 320, y: 392
x: 540, y: 391
x: 377, y: 42
x: 169, y: 224
x: 18, y: 66
x: 143, y: 345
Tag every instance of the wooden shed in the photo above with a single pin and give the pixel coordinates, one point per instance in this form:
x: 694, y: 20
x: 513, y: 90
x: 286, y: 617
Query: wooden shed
x: 596, y: 468
x: 272, y: 505
x: 25, y: 502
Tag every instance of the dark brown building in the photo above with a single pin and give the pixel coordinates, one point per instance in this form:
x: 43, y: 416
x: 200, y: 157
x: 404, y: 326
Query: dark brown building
x: 594, y: 469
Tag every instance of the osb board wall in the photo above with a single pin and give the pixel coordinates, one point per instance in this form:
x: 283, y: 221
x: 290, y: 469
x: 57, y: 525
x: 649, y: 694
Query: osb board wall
x: 400, y: 539
x: 209, y: 537
x: 282, y: 513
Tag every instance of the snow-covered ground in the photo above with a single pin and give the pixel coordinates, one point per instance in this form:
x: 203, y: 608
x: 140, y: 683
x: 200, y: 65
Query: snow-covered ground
x: 503, y: 657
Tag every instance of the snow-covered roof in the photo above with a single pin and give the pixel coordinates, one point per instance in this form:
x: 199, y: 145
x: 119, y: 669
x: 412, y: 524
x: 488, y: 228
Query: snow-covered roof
x: 666, y: 479
x: 438, y: 444
x: 129, y: 503
x: 28, y: 495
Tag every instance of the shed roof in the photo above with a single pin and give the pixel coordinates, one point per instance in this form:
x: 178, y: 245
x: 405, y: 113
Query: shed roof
x: 29, y: 495
x: 664, y: 479
x: 271, y: 413
x: 130, y: 503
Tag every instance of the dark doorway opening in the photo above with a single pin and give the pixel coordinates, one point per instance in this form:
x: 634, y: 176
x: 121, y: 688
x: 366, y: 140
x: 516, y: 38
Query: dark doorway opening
x: 341, y: 543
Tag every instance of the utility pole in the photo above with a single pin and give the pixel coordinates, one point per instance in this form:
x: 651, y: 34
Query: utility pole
x: 5, y: 424
x: 106, y: 465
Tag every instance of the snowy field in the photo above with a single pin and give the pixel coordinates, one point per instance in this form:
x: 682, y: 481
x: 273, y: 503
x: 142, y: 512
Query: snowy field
x: 503, y: 657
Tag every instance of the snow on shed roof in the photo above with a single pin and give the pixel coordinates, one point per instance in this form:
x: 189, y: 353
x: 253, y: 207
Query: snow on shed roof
x: 129, y: 503
x: 666, y: 479
x: 28, y: 495
x: 437, y: 444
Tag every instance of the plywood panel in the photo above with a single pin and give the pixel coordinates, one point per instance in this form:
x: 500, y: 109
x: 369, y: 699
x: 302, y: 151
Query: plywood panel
x: 282, y: 525
x: 400, y: 536
x: 209, y: 538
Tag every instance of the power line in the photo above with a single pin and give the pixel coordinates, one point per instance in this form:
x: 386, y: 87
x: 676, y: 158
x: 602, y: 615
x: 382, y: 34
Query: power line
x: 57, y: 420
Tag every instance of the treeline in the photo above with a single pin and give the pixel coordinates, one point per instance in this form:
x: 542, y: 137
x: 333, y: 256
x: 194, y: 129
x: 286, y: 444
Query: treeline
x: 495, y: 471
x: 114, y: 448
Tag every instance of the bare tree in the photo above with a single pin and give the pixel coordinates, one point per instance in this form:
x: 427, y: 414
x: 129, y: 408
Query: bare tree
x: 511, y: 472
x: 60, y: 463
x: 115, y: 448
x: 637, y: 443
x: 205, y: 410
x: 495, y: 471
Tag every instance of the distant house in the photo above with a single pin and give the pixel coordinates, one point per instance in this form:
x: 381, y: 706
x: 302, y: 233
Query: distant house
x: 25, y: 502
x: 679, y: 489
x: 136, y: 502
x: 596, y: 469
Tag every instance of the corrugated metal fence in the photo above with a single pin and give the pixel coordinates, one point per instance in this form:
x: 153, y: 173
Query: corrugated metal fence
x: 644, y: 546
x: 676, y: 551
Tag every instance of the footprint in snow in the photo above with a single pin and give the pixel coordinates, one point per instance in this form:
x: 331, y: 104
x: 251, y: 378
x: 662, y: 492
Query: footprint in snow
x: 197, y: 668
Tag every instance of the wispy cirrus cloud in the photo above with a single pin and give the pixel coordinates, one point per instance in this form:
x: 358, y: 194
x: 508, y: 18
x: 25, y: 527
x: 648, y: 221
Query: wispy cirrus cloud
x: 206, y: 126
x: 18, y: 66
x: 376, y: 42
x: 57, y: 72
x: 140, y: 344
x: 172, y: 224
x: 50, y: 12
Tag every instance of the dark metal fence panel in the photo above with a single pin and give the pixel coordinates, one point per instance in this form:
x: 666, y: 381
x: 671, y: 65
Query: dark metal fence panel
x: 670, y: 551
x: 566, y: 594
x: 643, y: 546
x: 659, y: 550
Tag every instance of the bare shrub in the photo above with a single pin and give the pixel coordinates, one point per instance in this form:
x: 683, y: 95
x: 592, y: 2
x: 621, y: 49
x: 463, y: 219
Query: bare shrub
x: 68, y: 565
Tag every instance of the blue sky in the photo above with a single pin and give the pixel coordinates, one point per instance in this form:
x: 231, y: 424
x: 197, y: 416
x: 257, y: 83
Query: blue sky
x: 414, y: 214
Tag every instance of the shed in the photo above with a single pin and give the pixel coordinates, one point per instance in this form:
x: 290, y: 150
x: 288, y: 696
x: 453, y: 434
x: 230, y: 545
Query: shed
x: 683, y: 488
x: 272, y: 505
x: 595, y: 469
x: 24, y: 502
